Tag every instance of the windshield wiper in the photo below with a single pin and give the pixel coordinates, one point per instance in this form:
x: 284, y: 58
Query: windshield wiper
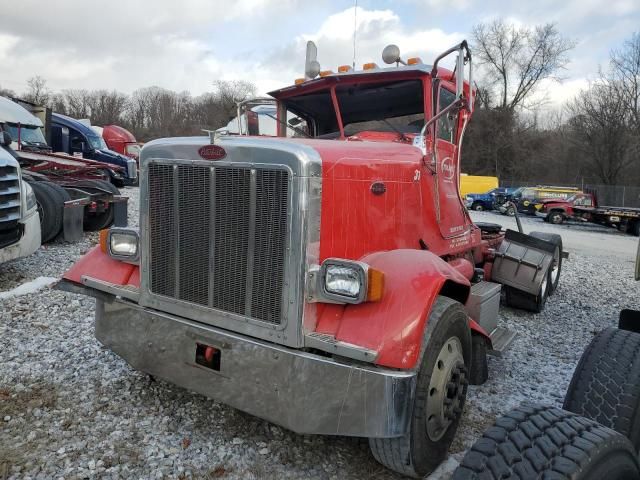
x: 402, y: 136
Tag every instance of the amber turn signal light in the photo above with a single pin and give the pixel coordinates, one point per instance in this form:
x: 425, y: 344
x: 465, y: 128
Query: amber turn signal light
x: 104, y: 234
x: 375, y: 285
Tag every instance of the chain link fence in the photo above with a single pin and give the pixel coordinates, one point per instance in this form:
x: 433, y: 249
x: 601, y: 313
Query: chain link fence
x: 607, y: 195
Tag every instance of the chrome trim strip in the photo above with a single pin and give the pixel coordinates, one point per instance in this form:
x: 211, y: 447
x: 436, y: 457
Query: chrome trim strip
x: 328, y: 343
x: 124, y: 291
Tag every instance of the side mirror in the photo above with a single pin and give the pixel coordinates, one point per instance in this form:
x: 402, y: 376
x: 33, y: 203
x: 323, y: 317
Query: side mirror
x: 638, y: 263
x: 5, y: 139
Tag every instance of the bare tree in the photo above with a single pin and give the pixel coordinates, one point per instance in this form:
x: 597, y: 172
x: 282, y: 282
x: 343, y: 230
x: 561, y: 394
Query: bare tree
x: 624, y: 68
x: 231, y: 92
x: 5, y: 92
x: 516, y: 59
x: 106, y: 107
x: 598, y: 128
x: 77, y: 103
x: 37, y: 91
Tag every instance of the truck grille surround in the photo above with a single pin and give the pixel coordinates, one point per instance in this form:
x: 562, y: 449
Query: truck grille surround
x: 10, y: 231
x: 218, y: 237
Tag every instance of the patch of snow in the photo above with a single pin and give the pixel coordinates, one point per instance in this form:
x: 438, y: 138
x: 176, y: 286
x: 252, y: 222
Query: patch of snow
x: 30, y: 287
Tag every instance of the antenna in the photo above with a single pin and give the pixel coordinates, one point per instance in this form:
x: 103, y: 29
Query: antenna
x: 355, y: 27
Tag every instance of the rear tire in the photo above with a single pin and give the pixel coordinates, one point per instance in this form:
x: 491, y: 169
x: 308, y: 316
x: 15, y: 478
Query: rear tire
x: 477, y: 207
x: 556, y: 266
x: 535, y: 442
x: 50, y: 199
x: 439, y: 398
x: 635, y: 228
x: 526, y: 301
x: 510, y: 212
x: 606, y: 383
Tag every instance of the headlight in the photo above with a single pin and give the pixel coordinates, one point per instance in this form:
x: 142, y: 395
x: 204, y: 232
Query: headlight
x: 29, y: 196
x: 123, y: 244
x: 345, y: 281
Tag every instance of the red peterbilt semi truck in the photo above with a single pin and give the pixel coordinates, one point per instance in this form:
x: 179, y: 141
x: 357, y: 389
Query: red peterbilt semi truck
x: 332, y: 281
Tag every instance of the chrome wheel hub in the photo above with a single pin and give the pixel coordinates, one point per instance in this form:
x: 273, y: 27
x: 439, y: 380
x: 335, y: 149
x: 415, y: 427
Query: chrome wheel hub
x: 447, y: 389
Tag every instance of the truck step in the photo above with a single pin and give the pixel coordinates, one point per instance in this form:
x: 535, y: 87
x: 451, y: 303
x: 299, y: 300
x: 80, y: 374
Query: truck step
x: 501, y: 338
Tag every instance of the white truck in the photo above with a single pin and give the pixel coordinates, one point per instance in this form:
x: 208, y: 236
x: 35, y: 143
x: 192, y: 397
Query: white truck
x: 19, y: 217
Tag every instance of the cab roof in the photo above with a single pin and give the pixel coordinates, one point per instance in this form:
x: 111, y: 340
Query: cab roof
x: 402, y: 72
x: 11, y: 112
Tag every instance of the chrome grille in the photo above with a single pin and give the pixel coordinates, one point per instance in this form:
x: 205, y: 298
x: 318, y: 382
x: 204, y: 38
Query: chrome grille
x: 9, y: 205
x: 218, y: 237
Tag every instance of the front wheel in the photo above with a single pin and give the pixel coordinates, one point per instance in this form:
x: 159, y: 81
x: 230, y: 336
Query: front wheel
x: 511, y: 212
x: 477, y: 207
x: 439, y: 397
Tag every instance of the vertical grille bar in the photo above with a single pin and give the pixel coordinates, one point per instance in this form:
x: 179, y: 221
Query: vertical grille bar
x: 176, y: 231
x: 252, y: 242
x: 212, y: 226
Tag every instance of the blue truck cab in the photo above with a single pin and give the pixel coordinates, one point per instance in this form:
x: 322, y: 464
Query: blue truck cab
x: 72, y: 136
x: 488, y: 200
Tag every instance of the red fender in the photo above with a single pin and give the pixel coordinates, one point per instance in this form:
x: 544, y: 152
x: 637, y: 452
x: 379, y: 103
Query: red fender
x: 99, y: 265
x: 394, y: 326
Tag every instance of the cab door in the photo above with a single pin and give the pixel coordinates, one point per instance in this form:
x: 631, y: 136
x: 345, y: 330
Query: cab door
x: 451, y: 213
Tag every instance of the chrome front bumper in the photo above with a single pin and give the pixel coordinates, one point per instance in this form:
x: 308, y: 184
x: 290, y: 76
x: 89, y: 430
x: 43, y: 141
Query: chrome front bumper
x: 300, y: 391
x: 541, y: 214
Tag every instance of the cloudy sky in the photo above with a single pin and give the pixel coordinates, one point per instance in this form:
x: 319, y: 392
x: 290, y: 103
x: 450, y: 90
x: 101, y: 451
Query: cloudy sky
x: 187, y: 44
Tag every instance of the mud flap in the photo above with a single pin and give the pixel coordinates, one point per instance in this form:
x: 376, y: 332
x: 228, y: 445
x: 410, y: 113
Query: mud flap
x: 629, y: 320
x: 522, y: 261
x: 72, y: 220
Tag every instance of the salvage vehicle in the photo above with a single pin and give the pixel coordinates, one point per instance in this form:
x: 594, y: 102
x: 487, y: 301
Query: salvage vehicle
x: 584, y: 207
x: 597, y: 433
x: 72, y: 137
x: 19, y: 218
x: 489, y: 200
x: 333, y: 284
x: 72, y: 193
x: 529, y: 197
x: 119, y: 140
x: 557, y: 210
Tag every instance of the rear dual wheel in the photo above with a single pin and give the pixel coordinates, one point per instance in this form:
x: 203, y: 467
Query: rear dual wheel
x: 50, y: 199
x: 439, y: 398
x: 98, y: 221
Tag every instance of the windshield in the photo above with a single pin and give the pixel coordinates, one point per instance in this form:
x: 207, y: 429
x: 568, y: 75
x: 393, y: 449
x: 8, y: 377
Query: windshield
x: 29, y: 135
x: 381, y: 107
x: 96, y: 143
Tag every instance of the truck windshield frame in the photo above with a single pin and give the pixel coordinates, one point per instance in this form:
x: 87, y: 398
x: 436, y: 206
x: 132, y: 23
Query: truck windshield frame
x: 29, y: 134
x: 360, y: 105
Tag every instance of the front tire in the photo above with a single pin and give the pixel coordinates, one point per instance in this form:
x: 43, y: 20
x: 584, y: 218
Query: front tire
x: 477, y: 207
x: 439, y: 398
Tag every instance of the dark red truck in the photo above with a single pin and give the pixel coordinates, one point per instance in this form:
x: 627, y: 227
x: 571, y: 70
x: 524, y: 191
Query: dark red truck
x: 584, y: 207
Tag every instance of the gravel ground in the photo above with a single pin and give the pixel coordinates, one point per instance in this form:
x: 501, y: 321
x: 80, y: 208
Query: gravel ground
x: 71, y: 409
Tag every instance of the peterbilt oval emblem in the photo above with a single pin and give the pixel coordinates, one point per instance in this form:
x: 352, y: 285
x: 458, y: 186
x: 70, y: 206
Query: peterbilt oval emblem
x: 212, y: 152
